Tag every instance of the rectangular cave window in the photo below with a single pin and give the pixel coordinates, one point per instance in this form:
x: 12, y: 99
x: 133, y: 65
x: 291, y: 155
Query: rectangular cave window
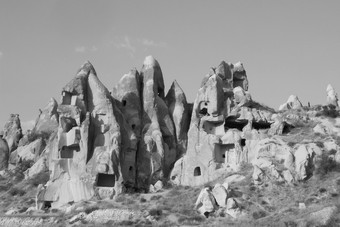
x: 66, y: 98
x: 66, y: 152
x: 221, y: 152
x: 197, y: 171
x: 105, y: 180
x: 243, y: 142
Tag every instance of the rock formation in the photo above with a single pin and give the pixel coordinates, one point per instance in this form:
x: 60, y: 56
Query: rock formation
x: 224, y: 123
x: 293, y: 102
x: 4, y: 153
x: 106, y: 143
x: 47, y: 120
x: 12, y: 132
x: 88, y: 152
x: 179, y: 111
x: 332, y: 96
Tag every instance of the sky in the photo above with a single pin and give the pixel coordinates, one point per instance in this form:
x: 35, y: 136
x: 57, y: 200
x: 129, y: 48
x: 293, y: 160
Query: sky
x: 287, y: 47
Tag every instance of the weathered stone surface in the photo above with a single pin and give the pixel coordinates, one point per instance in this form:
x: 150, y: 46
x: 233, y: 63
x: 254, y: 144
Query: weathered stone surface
x: 39, y: 166
x: 304, y: 162
x: 224, y: 128
x: 4, y: 154
x: 179, y: 111
x: 12, y: 132
x: 205, y: 202
x: 47, y: 120
x: 30, y: 152
x: 232, y: 208
x: 128, y: 93
x: 220, y: 193
x: 105, y: 193
x: 158, y: 186
x: 293, y: 102
x: 332, y: 96
x: 157, y: 148
x: 241, y: 97
x: 88, y: 148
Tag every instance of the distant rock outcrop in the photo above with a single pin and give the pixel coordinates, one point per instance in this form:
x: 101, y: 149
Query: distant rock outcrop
x: 12, y: 132
x: 293, y: 102
x: 332, y: 96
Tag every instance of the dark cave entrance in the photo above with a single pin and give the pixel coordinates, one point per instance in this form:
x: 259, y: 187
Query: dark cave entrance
x: 105, y: 180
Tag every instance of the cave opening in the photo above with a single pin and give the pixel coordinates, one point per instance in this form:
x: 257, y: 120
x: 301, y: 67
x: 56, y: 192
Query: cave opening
x: 105, y: 180
x: 233, y: 122
x: 197, y: 171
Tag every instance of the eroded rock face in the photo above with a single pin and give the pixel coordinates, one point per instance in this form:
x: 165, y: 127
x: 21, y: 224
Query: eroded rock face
x: 179, y: 110
x: 276, y: 161
x: 47, y: 121
x: 88, y: 151
x: 157, y: 148
x: 332, y: 96
x: 12, y: 132
x: 106, y: 143
x: 224, y: 123
x: 205, y: 203
x: 4, y: 154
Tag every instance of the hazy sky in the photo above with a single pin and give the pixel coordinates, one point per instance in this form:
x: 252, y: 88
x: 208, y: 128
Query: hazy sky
x: 287, y: 47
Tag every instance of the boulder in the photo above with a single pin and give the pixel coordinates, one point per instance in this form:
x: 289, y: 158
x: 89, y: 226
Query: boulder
x: 220, y: 193
x: 158, y: 186
x: 293, y: 102
x: 232, y: 208
x: 303, y: 162
x: 205, y: 203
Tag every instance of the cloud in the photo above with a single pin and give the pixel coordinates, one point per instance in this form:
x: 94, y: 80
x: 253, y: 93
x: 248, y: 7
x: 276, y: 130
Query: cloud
x: 83, y: 49
x: 125, y: 44
x: 151, y: 43
x: 132, y: 45
x: 1, y: 54
x: 80, y: 49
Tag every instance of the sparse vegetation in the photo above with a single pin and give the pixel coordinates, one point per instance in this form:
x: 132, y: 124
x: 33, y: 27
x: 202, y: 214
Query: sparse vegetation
x: 40, y: 178
x: 328, y: 111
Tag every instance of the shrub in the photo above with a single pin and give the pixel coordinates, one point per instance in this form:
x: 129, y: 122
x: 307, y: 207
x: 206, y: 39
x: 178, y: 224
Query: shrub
x: 40, y: 178
x: 259, y: 214
x: 16, y: 191
x: 326, y: 164
x: 155, y: 212
x: 90, y: 209
x: 193, y: 220
x: 155, y: 197
x: 328, y: 111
